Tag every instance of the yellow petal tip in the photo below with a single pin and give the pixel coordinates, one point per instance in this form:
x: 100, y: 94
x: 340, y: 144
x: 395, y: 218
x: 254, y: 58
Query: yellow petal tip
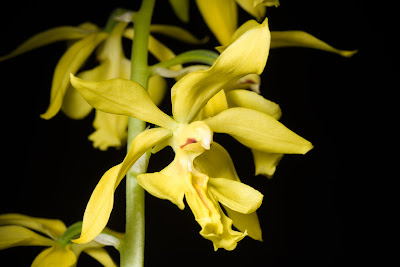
x: 346, y: 53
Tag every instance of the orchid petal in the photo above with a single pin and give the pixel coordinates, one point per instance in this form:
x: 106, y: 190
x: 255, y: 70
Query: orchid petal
x: 217, y: 162
x: 257, y: 11
x: 259, y: 131
x: 221, y: 233
x: 168, y: 184
x: 101, y: 255
x: 70, y: 62
x: 302, y: 39
x: 99, y: 207
x: 267, y: 2
x: 74, y: 105
x: 157, y: 88
x: 51, y: 227
x: 246, y: 55
x: 252, y: 100
x: 220, y: 16
x: 111, y: 130
x: 248, y: 25
x: 55, y: 256
x: 181, y: 9
x: 265, y: 162
x: 177, y: 33
x: 246, y: 223
x: 12, y: 235
x: 47, y: 37
x: 235, y: 195
x: 123, y: 97
x: 215, y: 105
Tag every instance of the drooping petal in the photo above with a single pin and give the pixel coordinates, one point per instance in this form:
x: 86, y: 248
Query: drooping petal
x: 181, y: 9
x: 101, y: 255
x: 215, y: 105
x: 55, y: 256
x: 170, y: 183
x: 221, y: 234
x: 248, y: 54
x: 13, y: 235
x: 217, y: 162
x: 99, y: 207
x: 235, y: 195
x: 220, y: 16
x: 177, y: 33
x: 123, y: 97
x: 53, y: 35
x: 74, y: 105
x: 157, y: 88
x: 110, y: 130
x: 259, y: 131
x: 257, y: 11
x: 265, y: 162
x: 303, y: 39
x: 70, y: 62
x: 252, y: 100
x: 51, y: 227
x: 246, y: 223
x: 205, y: 211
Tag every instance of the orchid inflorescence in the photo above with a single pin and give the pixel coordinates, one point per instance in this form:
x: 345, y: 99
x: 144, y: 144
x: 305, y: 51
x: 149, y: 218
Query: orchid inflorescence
x: 222, y: 95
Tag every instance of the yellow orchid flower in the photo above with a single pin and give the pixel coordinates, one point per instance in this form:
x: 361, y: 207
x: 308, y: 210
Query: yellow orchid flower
x: 190, y: 138
x: 16, y: 230
x: 110, y: 129
x: 265, y: 162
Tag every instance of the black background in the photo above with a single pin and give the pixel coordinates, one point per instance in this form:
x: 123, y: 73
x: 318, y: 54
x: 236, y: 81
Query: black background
x: 313, y: 205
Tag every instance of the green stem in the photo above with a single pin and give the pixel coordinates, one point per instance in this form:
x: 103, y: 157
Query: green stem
x: 132, y: 249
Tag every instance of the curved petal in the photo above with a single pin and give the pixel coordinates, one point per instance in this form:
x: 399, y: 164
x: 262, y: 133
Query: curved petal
x: 246, y: 223
x: 70, y: 62
x: 259, y: 131
x: 123, y: 97
x: 220, y: 16
x: 168, y: 184
x: 53, y: 35
x: 222, y: 235
x: 99, y: 207
x: 252, y: 100
x: 217, y: 162
x: 235, y: 195
x: 55, y: 256
x: 248, y: 25
x: 246, y: 55
x: 303, y: 39
x: 265, y: 162
x: 51, y: 227
x: 74, y: 105
x: 13, y: 235
x: 101, y: 255
x: 257, y: 11
x: 181, y: 9
x: 157, y: 88
x: 110, y: 130
x: 177, y: 33
x: 215, y: 105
